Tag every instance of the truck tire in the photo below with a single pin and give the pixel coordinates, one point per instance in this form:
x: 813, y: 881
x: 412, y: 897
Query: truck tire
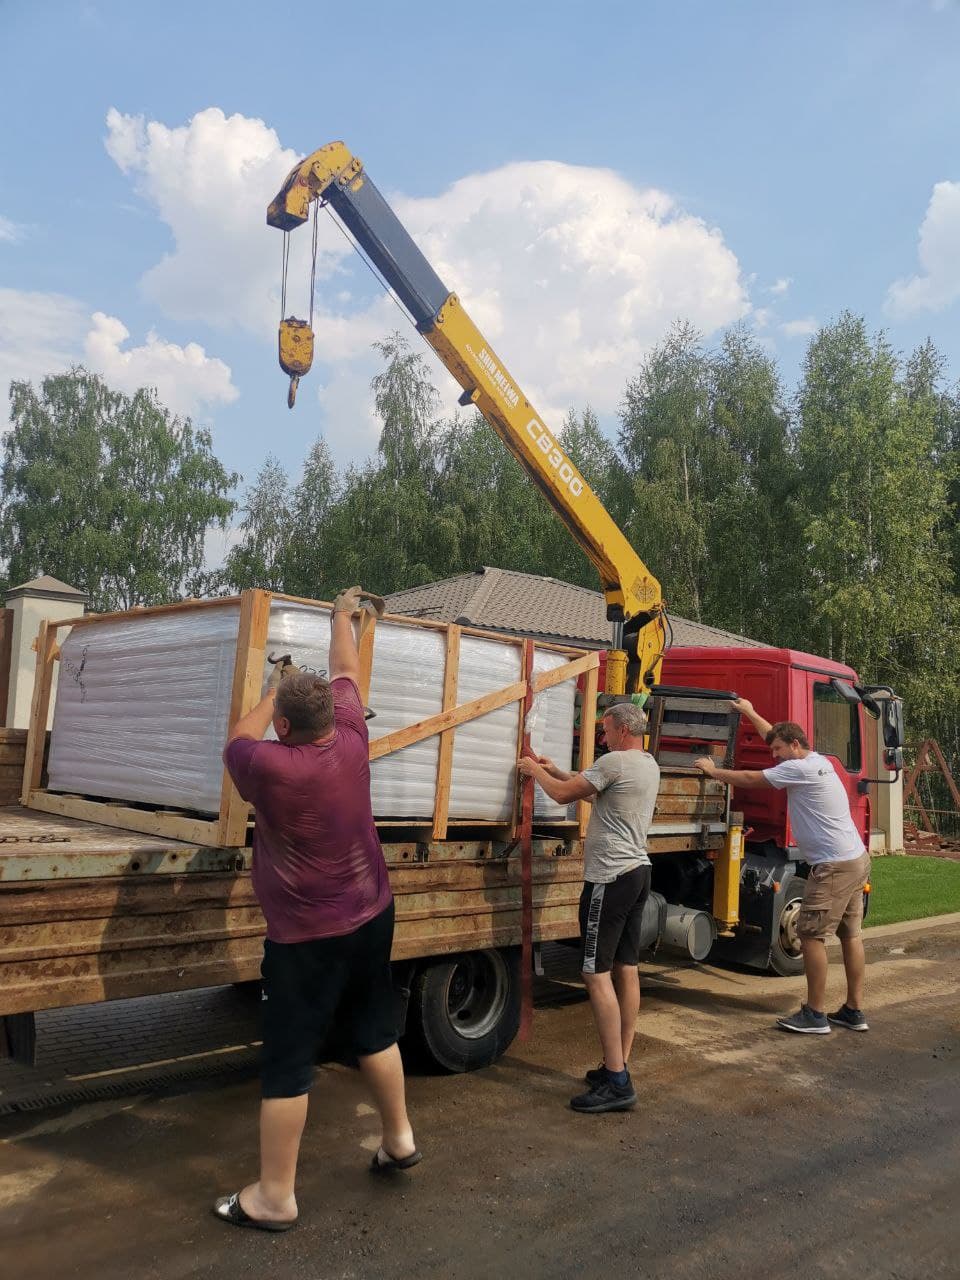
x: 786, y: 957
x: 465, y: 1010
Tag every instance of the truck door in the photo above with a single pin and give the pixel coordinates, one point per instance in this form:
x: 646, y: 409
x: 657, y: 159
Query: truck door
x: 837, y: 733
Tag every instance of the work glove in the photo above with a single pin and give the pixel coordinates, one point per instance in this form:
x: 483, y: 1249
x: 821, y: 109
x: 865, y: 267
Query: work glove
x: 282, y: 668
x: 353, y: 598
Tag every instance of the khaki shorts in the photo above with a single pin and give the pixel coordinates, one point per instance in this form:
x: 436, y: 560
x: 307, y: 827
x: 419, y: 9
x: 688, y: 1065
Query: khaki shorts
x: 833, y: 899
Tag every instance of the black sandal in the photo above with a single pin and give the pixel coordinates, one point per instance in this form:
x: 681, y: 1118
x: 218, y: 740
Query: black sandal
x: 229, y: 1209
x: 390, y: 1163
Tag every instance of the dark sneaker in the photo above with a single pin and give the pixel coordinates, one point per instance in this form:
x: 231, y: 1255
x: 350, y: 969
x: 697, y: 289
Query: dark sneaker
x: 605, y: 1096
x: 852, y: 1019
x: 806, y: 1021
x: 596, y: 1077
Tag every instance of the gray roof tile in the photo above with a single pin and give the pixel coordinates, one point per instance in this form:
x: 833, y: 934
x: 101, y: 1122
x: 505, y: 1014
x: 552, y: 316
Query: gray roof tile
x: 528, y: 604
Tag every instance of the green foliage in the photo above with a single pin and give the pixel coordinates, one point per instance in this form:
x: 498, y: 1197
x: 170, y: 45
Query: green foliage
x: 874, y: 500
x: 313, y: 502
x: 260, y: 557
x: 707, y: 477
x: 110, y: 493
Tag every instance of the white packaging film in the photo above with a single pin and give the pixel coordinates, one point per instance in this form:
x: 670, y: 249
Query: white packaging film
x: 142, y: 706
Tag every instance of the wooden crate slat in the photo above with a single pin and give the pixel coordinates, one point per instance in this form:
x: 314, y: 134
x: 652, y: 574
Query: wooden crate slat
x: 39, y: 709
x: 685, y: 759
x: 405, y: 737
x: 588, y: 740
x: 558, y: 675
x: 451, y: 673
x: 711, y: 706
x: 365, y: 643
x: 245, y: 694
x: 153, y: 822
x: 708, y: 732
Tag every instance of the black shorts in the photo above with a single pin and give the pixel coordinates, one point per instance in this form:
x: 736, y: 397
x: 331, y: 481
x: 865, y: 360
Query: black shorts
x: 610, y: 919
x: 308, y: 985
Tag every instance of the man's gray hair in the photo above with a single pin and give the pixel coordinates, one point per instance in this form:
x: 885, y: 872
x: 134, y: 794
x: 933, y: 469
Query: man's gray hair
x: 629, y: 716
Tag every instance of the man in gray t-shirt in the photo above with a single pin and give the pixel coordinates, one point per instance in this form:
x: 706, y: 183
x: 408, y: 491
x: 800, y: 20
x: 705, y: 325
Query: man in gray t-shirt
x: 626, y: 784
x: 622, y: 786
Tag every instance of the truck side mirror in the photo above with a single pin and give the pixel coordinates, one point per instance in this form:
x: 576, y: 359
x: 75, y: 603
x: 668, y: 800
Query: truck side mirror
x: 884, y: 705
x: 891, y: 723
x: 893, y: 758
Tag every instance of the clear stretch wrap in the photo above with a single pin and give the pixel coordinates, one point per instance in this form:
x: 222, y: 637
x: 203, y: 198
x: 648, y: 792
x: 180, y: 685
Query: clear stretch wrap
x: 142, y: 707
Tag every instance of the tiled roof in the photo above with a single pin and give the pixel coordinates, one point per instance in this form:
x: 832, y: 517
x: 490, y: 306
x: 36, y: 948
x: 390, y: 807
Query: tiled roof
x: 527, y: 604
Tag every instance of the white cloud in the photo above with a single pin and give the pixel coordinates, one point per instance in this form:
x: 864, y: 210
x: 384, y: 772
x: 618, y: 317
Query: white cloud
x: 799, y: 328
x: 570, y: 271
x: 10, y: 232
x: 185, y: 378
x: 937, y: 285
x: 40, y: 334
x: 210, y: 181
x: 46, y: 333
x: 573, y: 273
x: 780, y: 287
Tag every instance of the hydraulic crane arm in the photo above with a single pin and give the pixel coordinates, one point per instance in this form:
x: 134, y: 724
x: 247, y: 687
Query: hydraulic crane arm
x: 334, y: 176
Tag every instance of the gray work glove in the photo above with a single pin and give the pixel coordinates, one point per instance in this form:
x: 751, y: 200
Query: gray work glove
x: 282, y: 667
x: 353, y: 598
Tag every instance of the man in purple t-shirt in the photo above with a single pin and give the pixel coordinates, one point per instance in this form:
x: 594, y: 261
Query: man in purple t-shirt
x: 320, y: 877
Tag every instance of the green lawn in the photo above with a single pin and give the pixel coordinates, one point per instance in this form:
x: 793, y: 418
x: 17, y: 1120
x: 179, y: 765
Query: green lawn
x: 910, y: 888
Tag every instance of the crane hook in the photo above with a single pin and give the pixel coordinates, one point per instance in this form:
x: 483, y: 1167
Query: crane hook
x: 295, y: 351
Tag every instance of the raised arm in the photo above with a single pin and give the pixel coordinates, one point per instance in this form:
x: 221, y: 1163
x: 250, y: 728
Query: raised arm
x: 745, y: 707
x: 344, y: 654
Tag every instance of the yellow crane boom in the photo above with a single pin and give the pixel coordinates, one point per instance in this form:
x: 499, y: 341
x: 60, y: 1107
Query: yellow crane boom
x: 334, y: 176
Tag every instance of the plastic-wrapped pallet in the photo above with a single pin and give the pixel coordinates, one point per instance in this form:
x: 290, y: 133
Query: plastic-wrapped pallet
x: 142, y: 707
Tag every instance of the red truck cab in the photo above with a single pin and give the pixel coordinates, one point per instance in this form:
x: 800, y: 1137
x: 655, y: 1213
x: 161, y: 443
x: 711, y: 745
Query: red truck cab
x: 823, y: 697
x: 783, y: 684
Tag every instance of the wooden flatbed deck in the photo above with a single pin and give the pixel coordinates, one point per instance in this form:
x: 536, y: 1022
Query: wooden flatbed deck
x: 91, y: 912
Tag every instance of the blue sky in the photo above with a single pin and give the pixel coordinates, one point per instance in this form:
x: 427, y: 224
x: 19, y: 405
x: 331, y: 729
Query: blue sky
x: 581, y: 174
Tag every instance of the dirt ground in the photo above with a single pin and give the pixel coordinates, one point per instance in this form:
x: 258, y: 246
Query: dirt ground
x: 752, y: 1153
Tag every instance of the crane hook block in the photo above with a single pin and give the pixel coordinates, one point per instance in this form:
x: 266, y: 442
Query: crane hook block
x: 296, y: 347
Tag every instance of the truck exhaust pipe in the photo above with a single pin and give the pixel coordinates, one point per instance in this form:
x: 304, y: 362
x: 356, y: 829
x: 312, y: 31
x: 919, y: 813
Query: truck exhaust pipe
x: 688, y: 932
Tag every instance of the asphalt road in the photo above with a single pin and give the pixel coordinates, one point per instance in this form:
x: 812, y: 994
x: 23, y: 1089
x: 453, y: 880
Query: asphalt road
x: 752, y: 1153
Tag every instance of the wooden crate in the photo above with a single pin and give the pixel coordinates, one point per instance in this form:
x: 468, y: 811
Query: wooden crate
x: 229, y: 829
x: 13, y: 751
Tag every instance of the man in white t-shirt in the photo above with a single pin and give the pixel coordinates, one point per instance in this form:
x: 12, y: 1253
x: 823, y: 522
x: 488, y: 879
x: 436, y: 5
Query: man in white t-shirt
x: 829, y: 843
x: 622, y: 787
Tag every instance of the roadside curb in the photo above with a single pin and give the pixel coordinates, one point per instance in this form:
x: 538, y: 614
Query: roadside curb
x: 910, y: 926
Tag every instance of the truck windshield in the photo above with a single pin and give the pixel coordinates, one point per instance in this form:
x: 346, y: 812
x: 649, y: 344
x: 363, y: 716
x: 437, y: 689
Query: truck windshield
x: 836, y: 727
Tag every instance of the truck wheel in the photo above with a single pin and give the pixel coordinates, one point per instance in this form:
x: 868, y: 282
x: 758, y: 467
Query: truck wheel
x: 786, y: 956
x: 465, y: 1010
